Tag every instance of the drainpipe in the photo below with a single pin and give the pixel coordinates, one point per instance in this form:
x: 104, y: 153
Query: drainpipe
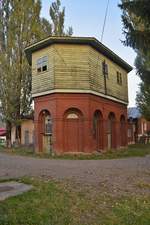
x: 105, y: 79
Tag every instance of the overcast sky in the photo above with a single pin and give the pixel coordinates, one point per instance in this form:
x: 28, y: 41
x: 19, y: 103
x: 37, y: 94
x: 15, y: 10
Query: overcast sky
x: 87, y: 17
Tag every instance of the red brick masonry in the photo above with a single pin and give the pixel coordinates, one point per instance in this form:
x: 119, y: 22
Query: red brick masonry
x: 81, y: 123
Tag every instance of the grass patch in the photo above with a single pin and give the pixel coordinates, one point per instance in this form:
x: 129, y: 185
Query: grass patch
x: 54, y: 203
x: 138, y: 150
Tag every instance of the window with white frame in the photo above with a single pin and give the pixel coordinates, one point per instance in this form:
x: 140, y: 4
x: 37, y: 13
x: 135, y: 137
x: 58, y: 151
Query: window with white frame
x: 42, y: 64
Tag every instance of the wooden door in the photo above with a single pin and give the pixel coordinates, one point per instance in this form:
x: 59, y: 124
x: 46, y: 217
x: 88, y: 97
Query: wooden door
x: 72, y: 135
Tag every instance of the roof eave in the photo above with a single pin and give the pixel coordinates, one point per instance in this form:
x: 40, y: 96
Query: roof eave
x: 76, y: 40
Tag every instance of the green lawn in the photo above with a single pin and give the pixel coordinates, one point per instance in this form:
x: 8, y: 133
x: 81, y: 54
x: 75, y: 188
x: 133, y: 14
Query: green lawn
x: 132, y: 151
x: 54, y: 203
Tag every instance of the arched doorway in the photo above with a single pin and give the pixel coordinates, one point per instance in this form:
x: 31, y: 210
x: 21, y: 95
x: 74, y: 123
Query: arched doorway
x: 111, y: 131
x: 98, y: 129
x: 73, y: 131
x: 45, y: 131
x: 123, y: 131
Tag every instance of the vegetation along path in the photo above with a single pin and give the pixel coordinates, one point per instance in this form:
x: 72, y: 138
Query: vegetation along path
x: 116, y: 175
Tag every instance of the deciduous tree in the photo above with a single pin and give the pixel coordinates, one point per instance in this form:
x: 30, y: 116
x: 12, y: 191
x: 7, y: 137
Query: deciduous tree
x: 20, y: 25
x: 136, y: 22
x: 57, y: 16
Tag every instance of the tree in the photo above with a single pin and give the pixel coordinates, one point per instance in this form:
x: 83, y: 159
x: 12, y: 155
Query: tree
x: 136, y: 21
x: 58, y: 18
x: 19, y: 27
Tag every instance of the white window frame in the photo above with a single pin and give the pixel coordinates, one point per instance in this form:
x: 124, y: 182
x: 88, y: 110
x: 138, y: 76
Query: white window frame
x: 41, y: 63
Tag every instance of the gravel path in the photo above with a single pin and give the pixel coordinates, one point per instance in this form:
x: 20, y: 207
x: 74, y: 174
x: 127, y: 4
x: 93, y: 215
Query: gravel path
x: 124, y: 175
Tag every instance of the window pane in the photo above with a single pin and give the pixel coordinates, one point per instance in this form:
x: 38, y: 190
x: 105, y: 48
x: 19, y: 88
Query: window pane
x: 45, y: 59
x: 39, y: 69
x: 42, y: 64
x: 48, y: 128
x: 72, y: 116
x: 48, y: 125
x: 44, y: 68
x: 39, y: 62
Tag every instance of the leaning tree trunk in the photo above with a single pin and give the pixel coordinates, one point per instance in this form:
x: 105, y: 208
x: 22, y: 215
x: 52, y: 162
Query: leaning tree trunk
x: 18, y: 135
x: 8, y: 134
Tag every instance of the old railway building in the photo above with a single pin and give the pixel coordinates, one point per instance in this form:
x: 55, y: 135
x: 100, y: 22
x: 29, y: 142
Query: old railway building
x: 80, y: 93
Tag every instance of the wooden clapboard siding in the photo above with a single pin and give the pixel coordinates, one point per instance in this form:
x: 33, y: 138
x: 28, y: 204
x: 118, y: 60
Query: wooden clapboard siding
x: 71, y: 67
x: 76, y: 66
x: 113, y: 88
x: 43, y: 81
x: 97, y: 78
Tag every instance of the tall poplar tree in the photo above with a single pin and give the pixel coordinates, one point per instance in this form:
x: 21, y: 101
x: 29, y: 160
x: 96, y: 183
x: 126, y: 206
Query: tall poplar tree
x: 57, y: 15
x: 136, y: 22
x: 20, y: 25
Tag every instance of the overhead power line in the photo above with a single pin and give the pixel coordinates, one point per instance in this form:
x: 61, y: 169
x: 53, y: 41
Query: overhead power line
x: 104, y: 24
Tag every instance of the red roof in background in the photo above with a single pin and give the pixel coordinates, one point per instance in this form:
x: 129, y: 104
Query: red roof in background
x: 2, y: 131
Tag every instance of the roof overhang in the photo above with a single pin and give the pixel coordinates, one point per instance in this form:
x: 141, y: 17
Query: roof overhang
x: 77, y: 40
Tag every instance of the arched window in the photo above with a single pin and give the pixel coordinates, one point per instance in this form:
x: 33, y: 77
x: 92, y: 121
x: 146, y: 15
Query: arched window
x: 72, y: 116
x: 96, y: 120
x: 48, y: 125
x: 111, y: 130
x: 98, y: 129
x: 123, y: 130
x: 45, y: 131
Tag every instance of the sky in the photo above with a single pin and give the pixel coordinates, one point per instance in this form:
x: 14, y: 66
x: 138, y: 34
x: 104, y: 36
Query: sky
x: 87, y: 18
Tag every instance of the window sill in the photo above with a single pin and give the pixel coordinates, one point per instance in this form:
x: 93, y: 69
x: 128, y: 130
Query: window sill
x: 42, y: 72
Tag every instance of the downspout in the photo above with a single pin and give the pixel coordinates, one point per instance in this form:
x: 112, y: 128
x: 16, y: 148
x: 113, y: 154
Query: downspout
x: 105, y: 79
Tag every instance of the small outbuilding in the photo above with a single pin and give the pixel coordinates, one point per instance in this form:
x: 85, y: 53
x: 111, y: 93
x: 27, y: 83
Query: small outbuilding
x: 26, y: 132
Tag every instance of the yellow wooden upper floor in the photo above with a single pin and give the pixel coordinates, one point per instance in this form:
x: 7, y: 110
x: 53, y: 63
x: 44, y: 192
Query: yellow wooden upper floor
x: 77, y: 65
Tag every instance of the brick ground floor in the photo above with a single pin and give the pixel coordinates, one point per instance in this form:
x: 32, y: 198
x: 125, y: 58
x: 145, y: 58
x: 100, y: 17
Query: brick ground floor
x: 79, y: 123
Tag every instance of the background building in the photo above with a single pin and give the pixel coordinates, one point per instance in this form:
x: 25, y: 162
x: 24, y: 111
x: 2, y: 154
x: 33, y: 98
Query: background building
x: 27, y: 132
x: 138, y: 126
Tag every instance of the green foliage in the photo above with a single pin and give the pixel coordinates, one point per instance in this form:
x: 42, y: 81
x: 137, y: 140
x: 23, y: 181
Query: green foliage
x: 143, y: 100
x: 46, y: 27
x: 57, y: 16
x: 20, y: 26
x: 136, y: 21
x: 143, y: 96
